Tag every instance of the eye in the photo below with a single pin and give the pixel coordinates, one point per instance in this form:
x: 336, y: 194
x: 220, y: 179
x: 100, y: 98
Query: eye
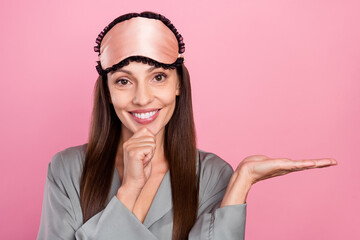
x: 160, y: 77
x: 123, y: 82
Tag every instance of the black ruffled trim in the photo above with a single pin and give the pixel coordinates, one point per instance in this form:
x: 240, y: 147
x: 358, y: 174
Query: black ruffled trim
x: 146, y: 14
x: 142, y: 59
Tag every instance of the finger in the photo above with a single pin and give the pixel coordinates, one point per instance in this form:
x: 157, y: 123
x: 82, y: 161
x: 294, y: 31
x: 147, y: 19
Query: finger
x: 316, y: 163
x: 141, y: 152
x: 133, y: 148
x: 134, y: 141
x: 147, y: 170
x: 148, y: 142
x: 285, y: 165
x: 147, y: 161
x: 148, y: 154
x: 148, y: 158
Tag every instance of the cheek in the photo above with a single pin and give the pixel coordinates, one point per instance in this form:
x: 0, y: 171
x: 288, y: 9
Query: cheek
x: 119, y: 101
x: 169, y: 101
x: 167, y: 97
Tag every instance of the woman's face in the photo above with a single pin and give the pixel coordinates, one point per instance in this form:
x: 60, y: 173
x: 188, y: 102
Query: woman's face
x: 143, y: 96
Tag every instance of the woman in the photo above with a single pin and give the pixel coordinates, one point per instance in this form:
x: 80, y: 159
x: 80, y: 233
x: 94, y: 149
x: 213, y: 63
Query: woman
x: 140, y: 176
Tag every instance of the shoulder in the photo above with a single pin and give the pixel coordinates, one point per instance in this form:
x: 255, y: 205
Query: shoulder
x: 67, y: 164
x: 211, y: 163
x: 214, y: 176
x: 215, y: 173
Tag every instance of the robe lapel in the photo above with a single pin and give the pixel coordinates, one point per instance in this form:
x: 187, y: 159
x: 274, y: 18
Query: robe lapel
x: 162, y: 202
x: 114, y: 185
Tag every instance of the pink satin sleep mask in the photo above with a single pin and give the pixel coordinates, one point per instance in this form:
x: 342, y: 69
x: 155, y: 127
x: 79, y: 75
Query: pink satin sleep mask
x: 146, y: 37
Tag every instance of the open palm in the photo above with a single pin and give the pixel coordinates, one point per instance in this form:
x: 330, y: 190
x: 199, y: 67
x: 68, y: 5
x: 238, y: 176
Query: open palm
x: 260, y: 167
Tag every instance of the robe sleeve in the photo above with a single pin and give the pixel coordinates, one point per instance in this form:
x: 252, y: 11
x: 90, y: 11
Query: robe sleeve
x: 60, y: 221
x: 226, y: 223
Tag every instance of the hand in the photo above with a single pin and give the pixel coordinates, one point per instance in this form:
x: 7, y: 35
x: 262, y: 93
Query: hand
x: 259, y: 167
x: 138, y: 152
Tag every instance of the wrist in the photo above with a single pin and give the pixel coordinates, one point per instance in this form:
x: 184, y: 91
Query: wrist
x: 237, y: 190
x: 128, y: 196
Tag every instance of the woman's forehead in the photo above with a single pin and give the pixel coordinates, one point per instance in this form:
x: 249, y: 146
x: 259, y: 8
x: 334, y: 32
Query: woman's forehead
x: 134, y: 68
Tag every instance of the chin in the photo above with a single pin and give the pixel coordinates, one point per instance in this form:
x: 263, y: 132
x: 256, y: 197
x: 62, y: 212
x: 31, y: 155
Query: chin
x: 153, y: 129
x: 135, y: 127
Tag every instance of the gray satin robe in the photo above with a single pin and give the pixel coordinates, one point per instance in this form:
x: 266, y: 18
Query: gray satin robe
x: 61, y: 216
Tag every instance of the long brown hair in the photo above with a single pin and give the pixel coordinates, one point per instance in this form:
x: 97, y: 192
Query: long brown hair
x: 179, y: 150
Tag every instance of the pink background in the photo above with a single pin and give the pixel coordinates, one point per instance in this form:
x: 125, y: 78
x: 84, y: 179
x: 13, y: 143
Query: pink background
x: 279, y: 78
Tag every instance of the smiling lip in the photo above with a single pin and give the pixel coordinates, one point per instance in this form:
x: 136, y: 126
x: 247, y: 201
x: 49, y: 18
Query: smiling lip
x: 145, y: 116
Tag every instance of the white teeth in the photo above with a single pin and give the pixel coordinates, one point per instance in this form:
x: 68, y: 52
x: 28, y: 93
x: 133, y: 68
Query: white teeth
x: 144, y: 115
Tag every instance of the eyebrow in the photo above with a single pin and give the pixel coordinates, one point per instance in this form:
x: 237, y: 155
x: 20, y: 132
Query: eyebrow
x: 129, y: 72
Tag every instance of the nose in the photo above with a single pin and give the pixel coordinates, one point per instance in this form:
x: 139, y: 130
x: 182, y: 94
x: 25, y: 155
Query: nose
x: 143, y: 95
